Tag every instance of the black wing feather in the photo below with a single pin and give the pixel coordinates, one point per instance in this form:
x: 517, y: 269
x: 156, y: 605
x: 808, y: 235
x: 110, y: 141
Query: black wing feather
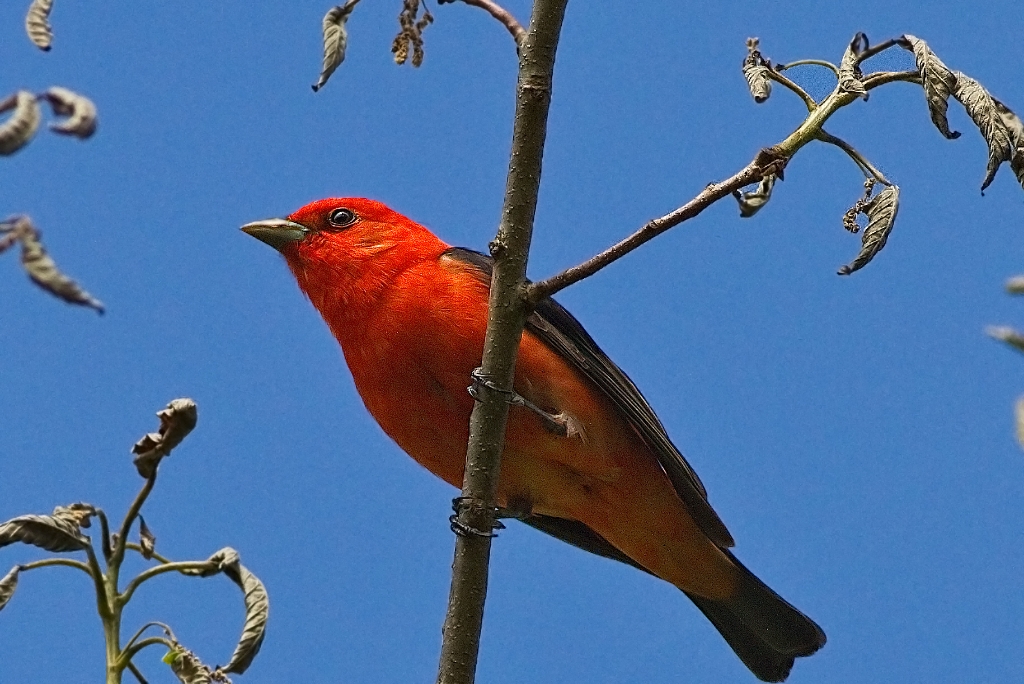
x: 558, y: 329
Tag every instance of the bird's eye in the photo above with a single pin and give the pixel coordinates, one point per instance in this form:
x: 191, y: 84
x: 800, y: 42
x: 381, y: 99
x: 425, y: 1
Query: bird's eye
x: 340, y: 218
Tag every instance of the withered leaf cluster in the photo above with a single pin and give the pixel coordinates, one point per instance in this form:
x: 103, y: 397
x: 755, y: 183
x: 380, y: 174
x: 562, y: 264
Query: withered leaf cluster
x: 257, y: 606
x: 40, y: 268
x: 1002, y: 129
x: 79, y: 110
x: 335, y: 40
x: 755, y: 70
x: 58, y: 532
x: 37, y: 24
x: 176, y: 421
x: 881, y: 212
x: 410, y: 33
x: 22, y: 124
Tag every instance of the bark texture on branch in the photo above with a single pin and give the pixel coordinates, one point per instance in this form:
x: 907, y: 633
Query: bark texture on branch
x: 510, y: 248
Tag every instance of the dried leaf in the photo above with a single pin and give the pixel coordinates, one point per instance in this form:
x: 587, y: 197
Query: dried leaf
x: 187, y: 667
x: 755, y: 70
x: 881, y: 212
x: 1007, y: 335
x: 1016, y: 129
x: 147, y: 540
x: 982, y: 109
x: 37, y: 25
x: 42, y: 269
x: 257, y: 606
x: 936, y: 79
x: 335, y: 40
x: 79, y: 110
x: 751, y: 202
x: 257, y: 611
x: 8, y: 584
x: 78, y: 514
x: 849, y: 68
x: 22, y: 124
x: 44, y: 531
x: 176, y: 421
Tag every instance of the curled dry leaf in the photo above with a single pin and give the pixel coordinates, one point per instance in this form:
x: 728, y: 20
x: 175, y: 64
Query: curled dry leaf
x: 147, y: 540
x: 79, y: 110
x: 881, y: 212
x: 751, y: 202
x: 936, y: 79
x: 849, y: 68
x: 176, y: 421
x: 1007, y: 335
x: 37, y: 24
x: 187, y: 667
x: 981, y: 107
x: 8, y: 584
x: 755, y: 70
x: 41, y: 269
x: 44, y: 531
x: 335, y: 40
x: 78, y: 514
x: 225, y: 558
x: 1016, y: 129
x: 22, y: 124
x: 257, y: 612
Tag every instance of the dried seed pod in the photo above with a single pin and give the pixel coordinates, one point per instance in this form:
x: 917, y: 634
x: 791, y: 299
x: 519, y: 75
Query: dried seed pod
x: 335, y: 40
x: 79, y: 110
x: 982, y: 109
x: 881, y: 212
x: 410, y: 32
x: 849, y: 68
x: 37, y: 25
x: 751, y: 202
x: 44, y: 531
x: 176, y: 421
x: 755, y: 70
x: 7, y: 585
x: 43, y: 271
x: 937, y: 81
x: 22, y: 124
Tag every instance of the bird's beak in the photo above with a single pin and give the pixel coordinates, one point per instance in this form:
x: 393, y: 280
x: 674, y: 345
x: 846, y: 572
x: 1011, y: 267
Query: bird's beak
x: 276, y: 232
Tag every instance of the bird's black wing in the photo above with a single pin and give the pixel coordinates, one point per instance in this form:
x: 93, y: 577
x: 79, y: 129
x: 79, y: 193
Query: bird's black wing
x: 559, y: 330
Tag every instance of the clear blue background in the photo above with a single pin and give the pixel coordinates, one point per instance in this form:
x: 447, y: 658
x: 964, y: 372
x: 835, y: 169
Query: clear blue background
x: 855, y: 433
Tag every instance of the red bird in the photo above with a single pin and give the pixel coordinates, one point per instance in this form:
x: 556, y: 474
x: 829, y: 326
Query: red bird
x: 408, y: 308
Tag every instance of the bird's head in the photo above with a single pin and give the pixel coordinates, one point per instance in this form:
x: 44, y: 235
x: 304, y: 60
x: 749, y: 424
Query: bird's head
x: 346, y: 250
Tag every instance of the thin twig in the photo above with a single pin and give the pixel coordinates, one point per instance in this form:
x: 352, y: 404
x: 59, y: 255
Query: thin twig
x: 502, y: 15
x: 803, y: 94
x: 105, y: 531
x: 131, y: 652
x: 135, y: 671
x: 708, y: 196
x: 506, y: 315
x: 132, y: 546
x: 866, y: 166
x: 181, y: 566
x: 808, y: 62
x: 880, y: 78
x: 129, y: 518
x: 46, y: 562
x: 872, y: 51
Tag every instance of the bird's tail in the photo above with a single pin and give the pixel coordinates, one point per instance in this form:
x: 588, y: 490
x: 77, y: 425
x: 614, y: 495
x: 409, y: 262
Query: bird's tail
x: 765, y: 631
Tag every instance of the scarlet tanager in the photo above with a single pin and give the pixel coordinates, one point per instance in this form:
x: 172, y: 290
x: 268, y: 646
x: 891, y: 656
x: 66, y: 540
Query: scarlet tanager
x: 410, y: 313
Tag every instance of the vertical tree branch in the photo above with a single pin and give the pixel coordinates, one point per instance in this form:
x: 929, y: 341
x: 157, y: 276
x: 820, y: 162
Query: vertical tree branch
x: 510, y: 248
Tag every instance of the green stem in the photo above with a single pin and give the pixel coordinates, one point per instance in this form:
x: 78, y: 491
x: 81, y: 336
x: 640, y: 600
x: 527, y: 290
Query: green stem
x: 67, y: 562
x: 181, y: 566
x: 866, y: 167
x: 131, y: 652
x: 801, y: 93
x: 809, y: 62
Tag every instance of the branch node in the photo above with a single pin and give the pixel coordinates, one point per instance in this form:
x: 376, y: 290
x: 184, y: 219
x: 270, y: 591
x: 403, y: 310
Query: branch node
x: 470, y: 504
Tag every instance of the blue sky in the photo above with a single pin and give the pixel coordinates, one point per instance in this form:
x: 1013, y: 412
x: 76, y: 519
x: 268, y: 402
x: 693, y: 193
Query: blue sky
x: 855, y: 434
